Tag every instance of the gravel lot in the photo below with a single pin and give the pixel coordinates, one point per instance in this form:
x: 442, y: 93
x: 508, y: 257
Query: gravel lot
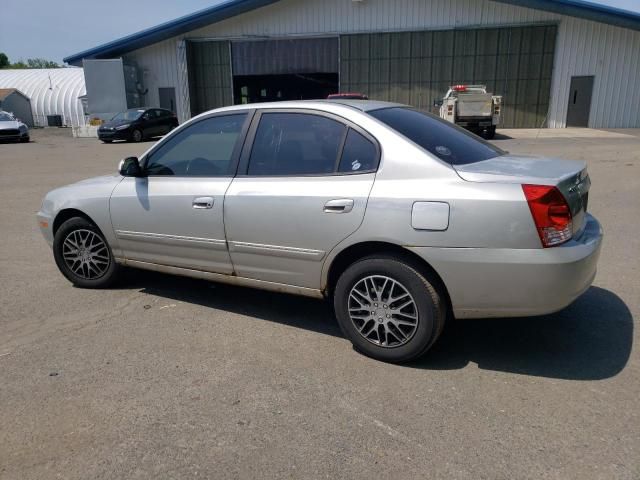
x: 165, y: 377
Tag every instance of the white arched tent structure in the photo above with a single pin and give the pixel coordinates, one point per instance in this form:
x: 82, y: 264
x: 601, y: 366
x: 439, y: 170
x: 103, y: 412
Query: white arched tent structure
x: 52, y: 91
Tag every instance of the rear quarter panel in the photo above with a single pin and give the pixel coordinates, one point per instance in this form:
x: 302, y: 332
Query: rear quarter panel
x: 482, y: 215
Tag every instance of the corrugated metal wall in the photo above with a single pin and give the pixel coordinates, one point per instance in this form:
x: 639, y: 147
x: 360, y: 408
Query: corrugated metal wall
x: 52, y: 91
x: 158, y: 66
x: 417, y: 68
x: 210, y: 83
x: 583, y: 47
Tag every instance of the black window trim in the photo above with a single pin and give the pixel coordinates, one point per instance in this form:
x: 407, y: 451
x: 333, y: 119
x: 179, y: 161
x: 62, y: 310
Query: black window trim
x: 243, y: 166
x: 235, y: 156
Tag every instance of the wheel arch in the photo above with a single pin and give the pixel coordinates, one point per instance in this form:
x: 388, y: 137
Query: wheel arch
x: 67, y: 213
x: 357, y: 251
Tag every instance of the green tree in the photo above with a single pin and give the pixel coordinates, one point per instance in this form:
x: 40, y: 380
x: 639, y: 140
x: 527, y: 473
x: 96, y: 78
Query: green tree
x: 29, y: 63
x: 41, y: 63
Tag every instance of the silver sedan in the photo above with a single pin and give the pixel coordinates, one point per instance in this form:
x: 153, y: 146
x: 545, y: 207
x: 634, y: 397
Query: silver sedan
x: 401, y: 219
x: 12, y: 129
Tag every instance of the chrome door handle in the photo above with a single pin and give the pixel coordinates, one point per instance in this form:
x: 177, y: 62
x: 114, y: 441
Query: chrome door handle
x: 202, y: 203
x: 341, y: 205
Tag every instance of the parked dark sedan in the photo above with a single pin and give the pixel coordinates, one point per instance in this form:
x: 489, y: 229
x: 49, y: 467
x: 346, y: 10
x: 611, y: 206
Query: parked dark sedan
x: 136, y: 124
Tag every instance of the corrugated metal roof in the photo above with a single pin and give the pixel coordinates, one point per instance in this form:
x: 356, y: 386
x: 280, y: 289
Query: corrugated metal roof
x: 52, y: 91
x: 583, y: 9
x: 232, y: 8
x: 199, y: 19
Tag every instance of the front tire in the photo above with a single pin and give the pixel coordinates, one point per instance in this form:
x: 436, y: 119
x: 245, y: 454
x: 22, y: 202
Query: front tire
x: 83, y: 255
x: 107, y: 141
x: 136, y: 135
x: 388, y: 309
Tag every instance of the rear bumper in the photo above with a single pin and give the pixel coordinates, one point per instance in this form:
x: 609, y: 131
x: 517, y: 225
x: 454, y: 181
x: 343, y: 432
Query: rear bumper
x: 487, y: 121
x: 517, y: 282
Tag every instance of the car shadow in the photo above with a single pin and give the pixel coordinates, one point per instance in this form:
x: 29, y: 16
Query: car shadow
x: 317, y: 315
x: 589, y: 340
x: 502, y: 136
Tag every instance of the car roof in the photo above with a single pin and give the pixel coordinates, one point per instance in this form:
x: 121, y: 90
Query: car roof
x: 362, y: 105
x: 137, y: 109
x: 365, y: 105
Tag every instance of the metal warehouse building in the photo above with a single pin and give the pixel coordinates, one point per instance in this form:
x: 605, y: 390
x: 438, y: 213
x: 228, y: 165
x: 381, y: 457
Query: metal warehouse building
x: 557, y: 63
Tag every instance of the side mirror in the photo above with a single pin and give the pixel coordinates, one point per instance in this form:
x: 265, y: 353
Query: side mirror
x: 130, y: 167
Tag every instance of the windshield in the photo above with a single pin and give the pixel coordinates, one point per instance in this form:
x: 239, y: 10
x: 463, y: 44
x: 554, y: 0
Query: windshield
x: 445, y: 140
x: 129, y: 115
x: 5, y: 117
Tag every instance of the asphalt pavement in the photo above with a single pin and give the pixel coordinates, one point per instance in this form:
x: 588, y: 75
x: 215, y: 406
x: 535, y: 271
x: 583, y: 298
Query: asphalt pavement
x: 167, y: 377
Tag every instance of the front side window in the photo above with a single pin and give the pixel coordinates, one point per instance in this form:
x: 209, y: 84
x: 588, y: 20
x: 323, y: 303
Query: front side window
x: 295, y: 144
x: 129, y: 115
x: 203, y: 149
x: 448, y: 142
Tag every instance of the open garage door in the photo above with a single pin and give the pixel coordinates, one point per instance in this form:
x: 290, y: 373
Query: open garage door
x: 416, y: 68
x: 209, y: 66
x: 284, y: 69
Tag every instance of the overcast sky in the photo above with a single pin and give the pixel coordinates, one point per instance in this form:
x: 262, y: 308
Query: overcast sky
x: 54, y: 29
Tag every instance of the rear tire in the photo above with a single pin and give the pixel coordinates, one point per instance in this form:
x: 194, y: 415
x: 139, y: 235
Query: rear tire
x: 26, y: 139
x: 401, y: 317
x: 489, y: 133
x: 83, y: 255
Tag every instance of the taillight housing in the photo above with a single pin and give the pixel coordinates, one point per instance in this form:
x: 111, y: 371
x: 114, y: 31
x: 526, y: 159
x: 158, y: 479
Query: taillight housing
x: 551, y: 214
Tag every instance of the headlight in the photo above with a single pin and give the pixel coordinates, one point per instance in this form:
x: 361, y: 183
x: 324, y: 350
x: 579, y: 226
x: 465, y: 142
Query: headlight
x: 122, y: 127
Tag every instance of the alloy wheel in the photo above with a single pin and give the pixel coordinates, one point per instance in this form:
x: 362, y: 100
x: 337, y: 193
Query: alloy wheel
x: 86, y: 254
x: 383, y: 311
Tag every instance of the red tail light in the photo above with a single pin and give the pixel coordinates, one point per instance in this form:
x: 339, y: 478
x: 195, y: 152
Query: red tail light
x: 551, y: 214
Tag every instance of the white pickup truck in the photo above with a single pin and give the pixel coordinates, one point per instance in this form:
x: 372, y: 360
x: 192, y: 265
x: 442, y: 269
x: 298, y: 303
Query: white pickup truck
x: 470, y: 106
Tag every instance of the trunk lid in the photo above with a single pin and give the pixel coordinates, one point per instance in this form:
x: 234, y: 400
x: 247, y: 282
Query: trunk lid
x: 569, y: 176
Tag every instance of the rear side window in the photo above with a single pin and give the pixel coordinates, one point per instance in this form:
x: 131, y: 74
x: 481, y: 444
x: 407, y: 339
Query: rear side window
x: 359, y: 154
x: 203, y: 149
x: 448, y: 142
x: 295, y: 144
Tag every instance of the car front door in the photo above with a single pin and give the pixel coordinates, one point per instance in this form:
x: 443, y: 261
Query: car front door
x: 302, y: 187
x: 173, y: 215
x: 164, y: 121
x: 148, y: 124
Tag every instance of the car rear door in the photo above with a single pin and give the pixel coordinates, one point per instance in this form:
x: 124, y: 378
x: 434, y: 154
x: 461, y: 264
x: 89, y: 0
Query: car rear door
x: 173, y: 215
x: 302, y: 187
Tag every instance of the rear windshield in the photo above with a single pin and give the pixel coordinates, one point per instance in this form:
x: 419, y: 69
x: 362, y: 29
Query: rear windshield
x: 448, y: 142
